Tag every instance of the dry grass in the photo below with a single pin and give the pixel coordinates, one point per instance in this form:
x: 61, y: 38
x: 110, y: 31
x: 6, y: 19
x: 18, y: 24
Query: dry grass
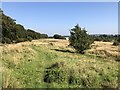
x: 8, y: 80
x: 28, y: 59
x: 104, y: 49
x: 17, y: 53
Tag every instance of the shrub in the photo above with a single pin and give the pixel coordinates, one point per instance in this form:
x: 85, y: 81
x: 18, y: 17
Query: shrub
x: 115, y: 43
x: 29, y: 39
x: 97, y: 39
x: 44, y: 36
x: 55, y: 73
x: 6, y: 40
x: 79, y: 39
x: 118, y: 38
x: 20, y: 40
x: 56, y: 36
x: 106, y: 40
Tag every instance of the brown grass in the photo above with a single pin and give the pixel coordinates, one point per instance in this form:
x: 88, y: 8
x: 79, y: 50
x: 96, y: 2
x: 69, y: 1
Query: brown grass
x: 20, y: 52
x: 104, y: 49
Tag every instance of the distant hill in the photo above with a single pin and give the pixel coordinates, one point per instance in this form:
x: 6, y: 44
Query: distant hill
x: 13, y: 32
x: 102, y: 37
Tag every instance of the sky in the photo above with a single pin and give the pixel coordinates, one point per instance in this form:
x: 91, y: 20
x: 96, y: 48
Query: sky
x: 59, y: 17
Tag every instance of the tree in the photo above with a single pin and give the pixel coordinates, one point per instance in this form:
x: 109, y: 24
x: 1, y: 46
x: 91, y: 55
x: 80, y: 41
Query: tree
x: 20, y: 31
x: 56, y: 36
x: 115, y: 43
x: 13, y: 32
x: 79, y: 39
x: 118, y: 38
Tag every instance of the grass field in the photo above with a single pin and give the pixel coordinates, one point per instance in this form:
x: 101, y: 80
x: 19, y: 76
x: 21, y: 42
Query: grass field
x: 50, y: 63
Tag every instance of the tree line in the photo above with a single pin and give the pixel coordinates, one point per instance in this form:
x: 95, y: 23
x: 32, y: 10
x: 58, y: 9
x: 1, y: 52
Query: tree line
x: 105, y: 38
x: 14, y: 33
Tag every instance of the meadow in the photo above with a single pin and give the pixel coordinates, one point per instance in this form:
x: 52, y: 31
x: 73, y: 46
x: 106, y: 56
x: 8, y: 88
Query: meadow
x: 52, y: 63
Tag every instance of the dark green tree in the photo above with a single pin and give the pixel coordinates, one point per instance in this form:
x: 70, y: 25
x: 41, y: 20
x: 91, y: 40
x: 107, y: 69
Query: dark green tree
x: 56, y: 36
x: 19, y: 31
x: 79, y: 39
x: 118, y: 38
x: 14, y: 33
x: 116, y: 43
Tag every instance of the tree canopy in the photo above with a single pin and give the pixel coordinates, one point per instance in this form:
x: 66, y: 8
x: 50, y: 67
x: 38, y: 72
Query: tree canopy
x: 79, y: 39
x: 12, y: 32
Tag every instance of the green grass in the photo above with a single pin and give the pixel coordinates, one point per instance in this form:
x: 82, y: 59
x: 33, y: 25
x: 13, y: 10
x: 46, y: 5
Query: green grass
x: 42, y: 66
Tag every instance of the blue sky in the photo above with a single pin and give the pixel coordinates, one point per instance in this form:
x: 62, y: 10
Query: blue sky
x: 58, y: 18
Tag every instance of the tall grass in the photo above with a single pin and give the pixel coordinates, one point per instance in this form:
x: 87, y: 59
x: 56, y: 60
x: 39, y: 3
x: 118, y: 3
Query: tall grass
x: 42, y: 66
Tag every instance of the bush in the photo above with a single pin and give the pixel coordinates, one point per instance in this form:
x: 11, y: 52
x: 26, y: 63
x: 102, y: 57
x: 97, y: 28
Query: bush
x: 79, y: 39
x: 20, y: 40
x: 115, y: 43
x: 104, y: 38
x: 6, y: 40
x: 97, y: 39
x: 118, y: 38
x: 55, y: 73
x: 44, y: 36
x: 29, y: 39
x: 56, y: 36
